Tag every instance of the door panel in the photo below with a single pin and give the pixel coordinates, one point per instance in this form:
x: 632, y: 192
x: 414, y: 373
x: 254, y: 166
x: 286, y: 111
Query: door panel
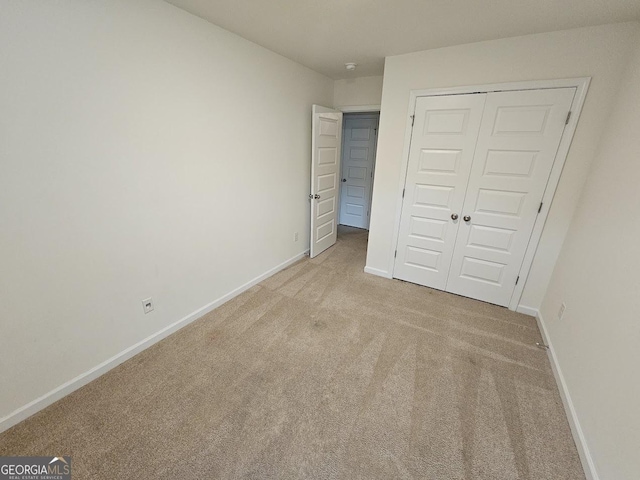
x: 325, y: 167
x: 357, y: 170
x: 442, y: 147
x: 517, y: 144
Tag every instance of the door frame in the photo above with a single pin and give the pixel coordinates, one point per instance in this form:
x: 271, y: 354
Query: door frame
x: 581, y: 84
x: 367, y: 115
x: 359, y: 109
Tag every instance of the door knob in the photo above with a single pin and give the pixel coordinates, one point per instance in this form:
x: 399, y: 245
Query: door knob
x: 454, y: 216
x: 316, y: 196
x: 344, y: 179
x: 466, y: 218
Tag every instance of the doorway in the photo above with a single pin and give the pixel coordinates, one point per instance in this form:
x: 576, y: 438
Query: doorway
x: 341, y: 173
x: 359, y: 140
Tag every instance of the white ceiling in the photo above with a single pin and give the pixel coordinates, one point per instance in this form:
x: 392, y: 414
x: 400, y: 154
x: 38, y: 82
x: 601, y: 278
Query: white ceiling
x: 325, y: 34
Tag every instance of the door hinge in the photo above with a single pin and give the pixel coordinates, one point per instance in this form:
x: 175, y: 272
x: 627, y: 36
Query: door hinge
x: 566, y: 122
x: 540, y: 207
x: 517, y: 279
x: 403, y: 192
x: 395, y: 255
x: 413, y: 119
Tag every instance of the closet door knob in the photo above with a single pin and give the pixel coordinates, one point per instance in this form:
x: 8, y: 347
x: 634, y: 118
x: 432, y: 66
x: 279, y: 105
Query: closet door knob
x: 454, y: 216
x: 466, y: 218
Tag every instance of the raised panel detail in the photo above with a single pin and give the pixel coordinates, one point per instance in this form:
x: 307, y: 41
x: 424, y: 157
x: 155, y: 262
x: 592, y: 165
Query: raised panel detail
x: 439, y: 161
x: 428, y: 228
x: 358, y: 173
x: 493, y: 238
x: 499, y: 202
x: 327, y: 155
x: 433, y: 196
x: 353, y: 209
x: 422, y: 258
x: 447, y: 122
x: 355, y: 192
x: 509, y: 163
x: 482, y: 270
x: 325, y: 207
x: 358, y: 153
x: 328, y: 127
x: 529, y: 120
x: 326, y: 182
x: 325, y: 230
x: 360, y: 134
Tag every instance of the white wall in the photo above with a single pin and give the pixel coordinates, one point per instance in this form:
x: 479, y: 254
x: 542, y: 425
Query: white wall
x: 600, y: 52
x: 597, y: 342
x: 357, y: 91
x: 144, y: 152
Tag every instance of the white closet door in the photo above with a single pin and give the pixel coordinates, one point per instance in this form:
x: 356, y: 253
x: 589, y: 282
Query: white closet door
x: 325, y: 168
x: 517, y: 144
x: 359, y: 149
x: 444, y: 136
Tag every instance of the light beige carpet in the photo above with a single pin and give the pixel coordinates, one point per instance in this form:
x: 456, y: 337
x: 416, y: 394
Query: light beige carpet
x: 322, y: 372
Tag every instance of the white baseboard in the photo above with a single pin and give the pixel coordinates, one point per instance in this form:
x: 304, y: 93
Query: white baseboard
x: 378, y: 272
x: 572, y: 416
x: 533, y: 312
x: 81, y: 380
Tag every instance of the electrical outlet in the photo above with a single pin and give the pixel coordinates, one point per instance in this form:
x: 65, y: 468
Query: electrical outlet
x: 147, y: 305
x: 295, y: 236
x: 563, y: 307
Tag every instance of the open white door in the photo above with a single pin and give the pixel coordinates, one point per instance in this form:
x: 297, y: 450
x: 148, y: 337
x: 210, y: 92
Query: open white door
x: 326, y: 140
